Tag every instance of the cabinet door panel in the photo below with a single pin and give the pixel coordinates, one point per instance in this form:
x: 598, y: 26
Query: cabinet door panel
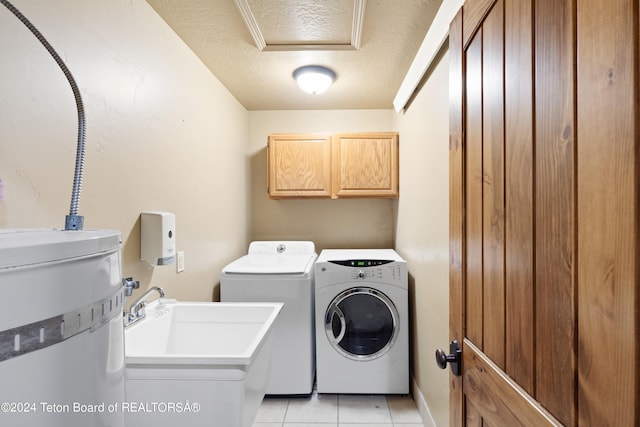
x: 365, y: 165
x: 299, y: 166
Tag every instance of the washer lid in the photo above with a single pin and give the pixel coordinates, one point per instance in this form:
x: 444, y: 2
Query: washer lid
x: 28, y: 247
x: 271, y: 264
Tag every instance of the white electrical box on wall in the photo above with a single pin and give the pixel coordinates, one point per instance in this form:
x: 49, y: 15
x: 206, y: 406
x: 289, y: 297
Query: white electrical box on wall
x: 158, y: 237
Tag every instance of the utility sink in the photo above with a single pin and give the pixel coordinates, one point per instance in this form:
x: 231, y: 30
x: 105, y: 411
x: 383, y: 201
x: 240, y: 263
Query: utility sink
x: 198, y: 363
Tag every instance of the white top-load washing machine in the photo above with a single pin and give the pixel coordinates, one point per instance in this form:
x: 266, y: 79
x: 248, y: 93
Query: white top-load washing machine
x: 280, y: 271
x: 362, y: 322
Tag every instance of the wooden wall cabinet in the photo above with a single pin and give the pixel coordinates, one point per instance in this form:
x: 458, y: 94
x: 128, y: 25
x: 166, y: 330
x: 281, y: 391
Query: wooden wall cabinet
x: 365, y: 165
x: 345, y: 165
x: 299, y: 165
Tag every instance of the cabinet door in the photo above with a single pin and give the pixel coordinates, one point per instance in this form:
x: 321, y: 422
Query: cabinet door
x: 299, y: 166
x: 365, y: 165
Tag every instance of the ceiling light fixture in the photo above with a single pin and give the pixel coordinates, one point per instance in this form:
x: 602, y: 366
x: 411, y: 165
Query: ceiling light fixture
x: 314, y: 79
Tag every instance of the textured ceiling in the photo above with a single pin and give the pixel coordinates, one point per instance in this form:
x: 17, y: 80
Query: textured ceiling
x: 253, y: 46
x: 301, y: 22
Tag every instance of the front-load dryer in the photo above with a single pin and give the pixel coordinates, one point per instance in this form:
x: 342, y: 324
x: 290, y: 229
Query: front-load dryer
x: 362, y: 322
x: 277, y: 271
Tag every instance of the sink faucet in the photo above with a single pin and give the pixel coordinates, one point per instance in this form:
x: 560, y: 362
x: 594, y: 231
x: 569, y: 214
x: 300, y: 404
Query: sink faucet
x: 137, y: 312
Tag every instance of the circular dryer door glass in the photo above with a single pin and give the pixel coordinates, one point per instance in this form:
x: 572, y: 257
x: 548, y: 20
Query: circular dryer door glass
x: 361, y: 323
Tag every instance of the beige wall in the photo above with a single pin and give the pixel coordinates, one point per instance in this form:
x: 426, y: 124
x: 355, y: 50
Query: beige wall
x: 362, y: 223
x: 422, y: 233
x: 163, y: 134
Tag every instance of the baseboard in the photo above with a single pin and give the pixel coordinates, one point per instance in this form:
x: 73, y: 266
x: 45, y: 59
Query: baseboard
x: 423, y: 408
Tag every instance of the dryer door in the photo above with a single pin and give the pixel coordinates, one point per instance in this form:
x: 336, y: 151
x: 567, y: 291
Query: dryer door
x: 361, y: 323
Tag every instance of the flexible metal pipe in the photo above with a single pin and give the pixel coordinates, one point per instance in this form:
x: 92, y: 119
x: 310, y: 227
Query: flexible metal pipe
x: 73, y: 221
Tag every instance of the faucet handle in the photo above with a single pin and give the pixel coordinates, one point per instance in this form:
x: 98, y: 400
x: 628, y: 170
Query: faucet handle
x: 138, y: 310
x: 129, y: 285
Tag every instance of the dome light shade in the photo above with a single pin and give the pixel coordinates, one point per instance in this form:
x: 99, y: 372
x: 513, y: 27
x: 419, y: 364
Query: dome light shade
x: 314, y: 79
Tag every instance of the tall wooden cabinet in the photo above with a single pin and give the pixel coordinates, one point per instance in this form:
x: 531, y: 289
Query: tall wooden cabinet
x: 339, y: 166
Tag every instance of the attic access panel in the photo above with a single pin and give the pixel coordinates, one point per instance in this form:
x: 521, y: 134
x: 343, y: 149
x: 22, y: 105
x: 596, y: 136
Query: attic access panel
x: 304, y: 24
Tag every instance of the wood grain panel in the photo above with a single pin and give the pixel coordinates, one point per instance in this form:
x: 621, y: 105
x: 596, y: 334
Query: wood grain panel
x: 299, y: 164
x: 498, y: 399
x: 297, y: 168
x: 361, y: 155
x: 519, y: 192
x: 474, y: 13
x: 473, y: 416
x: 608, y: 212
x: 493, y: 184
x: 473, y: 191
x: 365, y: 164
x: 456, y: 203
x: 571, y: 200
x: 555, y: 208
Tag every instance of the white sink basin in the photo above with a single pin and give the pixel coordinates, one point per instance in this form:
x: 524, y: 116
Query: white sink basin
x: 199, y: 332
x: 216, y: 355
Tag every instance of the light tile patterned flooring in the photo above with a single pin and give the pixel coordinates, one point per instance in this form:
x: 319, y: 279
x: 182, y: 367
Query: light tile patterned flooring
x: 343, y: 410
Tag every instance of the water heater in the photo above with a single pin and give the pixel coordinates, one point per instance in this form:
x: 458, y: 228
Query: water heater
x: 61, y: 333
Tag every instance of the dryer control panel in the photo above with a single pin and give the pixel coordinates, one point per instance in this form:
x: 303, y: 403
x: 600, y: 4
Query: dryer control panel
x: 380, y: 270
x: 361, y: 262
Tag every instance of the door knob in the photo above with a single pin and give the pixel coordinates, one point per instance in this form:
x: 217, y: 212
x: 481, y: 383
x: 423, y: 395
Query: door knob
x: 454, y: 358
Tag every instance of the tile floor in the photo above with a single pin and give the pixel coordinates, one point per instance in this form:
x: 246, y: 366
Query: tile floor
x: 333, y: 410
